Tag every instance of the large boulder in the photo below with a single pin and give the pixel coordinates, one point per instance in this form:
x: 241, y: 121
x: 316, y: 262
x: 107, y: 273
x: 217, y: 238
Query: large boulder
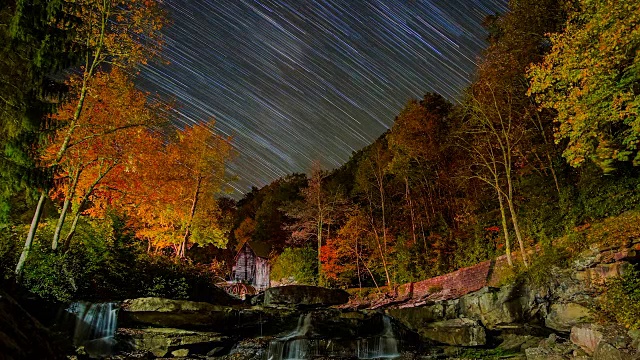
x: 515, y: 342
x: 162, y: 341
x: 606, y: 351
x: 456, y: 332
x: 541, y: 353
x: 587, y: 337
x: 416, y: 317
x: 305, y: 296
x: 495, y: 307
x: 562, y: 317
x: 160, y: 312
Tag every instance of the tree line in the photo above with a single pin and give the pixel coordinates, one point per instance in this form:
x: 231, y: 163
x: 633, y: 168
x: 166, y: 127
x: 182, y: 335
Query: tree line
x: 543, y: 140
x: 95, y: 176
x: 80, y: 140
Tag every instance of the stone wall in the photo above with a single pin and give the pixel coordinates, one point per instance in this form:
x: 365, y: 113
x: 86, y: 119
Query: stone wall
x: 458, y: 283
x: 451, y: 285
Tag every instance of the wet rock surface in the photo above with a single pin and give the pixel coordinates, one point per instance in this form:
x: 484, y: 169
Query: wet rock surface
x: 457, y: 332
x: 516, y: 321
x: 304, y: 296
x: 161, y: 312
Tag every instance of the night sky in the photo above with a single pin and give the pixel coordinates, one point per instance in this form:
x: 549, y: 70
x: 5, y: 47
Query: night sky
x: 297, y: 80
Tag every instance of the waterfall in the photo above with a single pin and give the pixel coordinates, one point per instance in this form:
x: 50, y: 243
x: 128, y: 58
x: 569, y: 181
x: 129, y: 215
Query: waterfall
x: 293, y: 346
x: 383, y: 346
x: 95, y: 325
x: 300, y: 344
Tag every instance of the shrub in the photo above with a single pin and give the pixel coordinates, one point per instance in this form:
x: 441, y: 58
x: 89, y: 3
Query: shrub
x: 297, y: 264
x: 621, y: 299
x: 105, y: 262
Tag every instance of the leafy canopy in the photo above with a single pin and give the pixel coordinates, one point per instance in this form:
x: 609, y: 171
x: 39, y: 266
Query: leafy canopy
x: 591, y: 78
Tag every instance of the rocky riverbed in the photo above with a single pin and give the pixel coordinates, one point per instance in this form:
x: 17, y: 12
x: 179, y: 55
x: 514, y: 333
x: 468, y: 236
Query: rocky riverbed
x: 516, y: 320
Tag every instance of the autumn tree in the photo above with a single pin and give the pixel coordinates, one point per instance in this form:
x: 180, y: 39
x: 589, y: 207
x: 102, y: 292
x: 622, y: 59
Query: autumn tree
x: 492, y: 136
x: 176, y: 202
x: 519, y: 38
x: 315, y: 213
x: 113, y: 33
x: 591, y: 78
x: 357, y: 242
x: 371, y: 184
x: 103, y: 144
x: 244, y: 232
x: 202, y: 156
x: 422, y: 157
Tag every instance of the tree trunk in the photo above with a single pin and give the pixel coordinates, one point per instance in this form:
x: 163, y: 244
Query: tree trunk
x: 65, y: 208
x: 187, y: 233
x: 30, y: 236
x: 383, y: 257
x: 507, y: 242
x: 358, y: 265
x: 516, y: 229
x: 90, y: 69
x: 410, y: 203
x: 514, y: 216
x: 553, y: 173
x: 83, y: 202
x: 370, y: 273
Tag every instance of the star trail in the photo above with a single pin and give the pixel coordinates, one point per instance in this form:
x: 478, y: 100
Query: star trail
x: 295, y: 81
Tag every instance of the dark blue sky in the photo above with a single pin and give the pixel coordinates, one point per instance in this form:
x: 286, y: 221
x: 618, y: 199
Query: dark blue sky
x: 295, y: 81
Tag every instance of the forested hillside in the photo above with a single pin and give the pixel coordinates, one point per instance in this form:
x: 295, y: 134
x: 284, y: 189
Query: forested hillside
x: 542, y: 142
x: 106, y: 193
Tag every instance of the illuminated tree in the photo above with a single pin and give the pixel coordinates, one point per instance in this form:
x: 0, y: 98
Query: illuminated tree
x: 104, y: 143
x: 591, y: 77
x: 114, y: 33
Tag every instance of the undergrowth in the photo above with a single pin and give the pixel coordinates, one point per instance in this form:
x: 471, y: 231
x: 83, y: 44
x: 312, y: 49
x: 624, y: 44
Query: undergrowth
x: 621, y: 299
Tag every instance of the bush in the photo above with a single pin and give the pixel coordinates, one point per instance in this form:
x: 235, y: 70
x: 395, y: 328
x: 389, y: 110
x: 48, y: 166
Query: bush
x: 299, y: 265
x: 541, y: 265
x: 621, y: 299
x: 96, y: 265
x: 105, y: 262
x: 9, y: 251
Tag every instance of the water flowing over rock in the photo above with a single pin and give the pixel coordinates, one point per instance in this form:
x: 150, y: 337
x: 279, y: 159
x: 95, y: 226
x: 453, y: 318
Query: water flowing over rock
x: 95, y: 326
x: 308, y: 341
x: 383, y: 346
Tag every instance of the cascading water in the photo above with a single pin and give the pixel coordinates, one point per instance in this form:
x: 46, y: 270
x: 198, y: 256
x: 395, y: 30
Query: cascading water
x: 293, y: 346
x: 95, y: 326
x: 302, y: 343
x: 383, y: 346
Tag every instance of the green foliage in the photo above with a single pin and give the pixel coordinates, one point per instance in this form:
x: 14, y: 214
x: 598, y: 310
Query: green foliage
x: 161, y: 286
x: 34, y: 45
x: 621, y: 299
x: 9, y: 251
x: 481, y: 245
x: 298, y: 265
x: 105, y: 262
x: 409, y: 260
x: 490, y: 354
x: 590, y: 77
x: 602, y: 195
x: 549, y: 258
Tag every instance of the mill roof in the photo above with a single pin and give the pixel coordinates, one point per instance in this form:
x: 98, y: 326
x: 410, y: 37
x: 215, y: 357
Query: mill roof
x: 259, y: 248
